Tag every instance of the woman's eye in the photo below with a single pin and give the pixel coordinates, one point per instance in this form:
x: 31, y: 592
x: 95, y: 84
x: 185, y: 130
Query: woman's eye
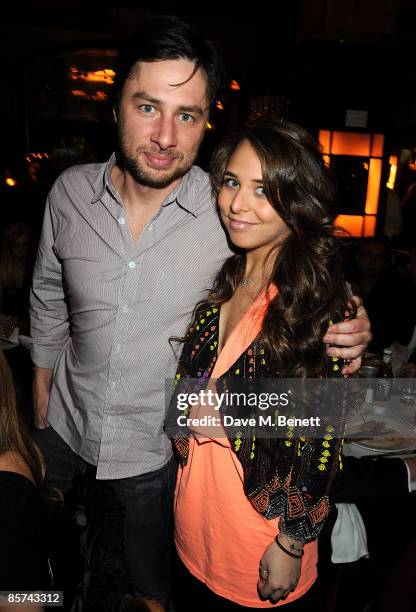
x: 260, y: 191
x: 230, y: 182
x: 185, y: 118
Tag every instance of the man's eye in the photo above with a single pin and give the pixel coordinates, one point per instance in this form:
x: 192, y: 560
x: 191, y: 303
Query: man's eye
x: 147, y: 108
x: 185, y: 118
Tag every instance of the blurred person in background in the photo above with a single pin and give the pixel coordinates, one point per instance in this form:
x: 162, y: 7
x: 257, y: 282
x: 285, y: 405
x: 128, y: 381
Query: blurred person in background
x: 15, y: 276
x: 408, y: 233
x: 387, y: 298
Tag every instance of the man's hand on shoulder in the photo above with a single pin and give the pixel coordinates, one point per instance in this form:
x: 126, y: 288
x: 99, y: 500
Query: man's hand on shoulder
x: 350, y: 338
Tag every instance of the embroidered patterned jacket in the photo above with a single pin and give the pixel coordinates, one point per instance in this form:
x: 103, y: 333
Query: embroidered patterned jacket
x: 284, y: 477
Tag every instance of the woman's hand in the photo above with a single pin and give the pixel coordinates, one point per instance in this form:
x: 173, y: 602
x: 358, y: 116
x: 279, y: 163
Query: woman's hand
x: 279, y: 573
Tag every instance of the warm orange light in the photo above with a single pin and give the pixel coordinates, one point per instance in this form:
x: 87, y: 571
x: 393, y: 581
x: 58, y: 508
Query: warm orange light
x: 393, y: 161
x: 411, y: 164
x: 234, y: 86
x: 11, y: 182
x: 327, y: 160
x: 351, y: 224
x: 377, y: 146
x: 350, y: 143
x: 369, y: 225
x: 325, y: 140
x: 33, y: 156
x: 79, y: 93
x: 373, y: 186
x: 209, y: 125
x: 97, y: 76
x: 358, y: 145
x: 99, y: 96
x: 219, y: 105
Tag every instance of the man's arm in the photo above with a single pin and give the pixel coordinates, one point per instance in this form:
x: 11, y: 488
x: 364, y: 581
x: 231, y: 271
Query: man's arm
x: 49, y: 323
x: 354, y: 335
x: 41, y: 387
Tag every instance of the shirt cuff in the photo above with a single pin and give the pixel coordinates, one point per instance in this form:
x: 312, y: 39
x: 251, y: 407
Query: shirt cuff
x: 43, y: 357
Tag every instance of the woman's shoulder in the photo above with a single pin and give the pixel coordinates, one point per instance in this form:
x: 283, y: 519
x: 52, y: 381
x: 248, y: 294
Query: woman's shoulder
x: 13, y: 463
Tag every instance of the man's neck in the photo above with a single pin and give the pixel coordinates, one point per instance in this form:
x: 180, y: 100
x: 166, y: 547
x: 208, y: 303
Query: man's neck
x: 139, y: 197
x: 140, y: 202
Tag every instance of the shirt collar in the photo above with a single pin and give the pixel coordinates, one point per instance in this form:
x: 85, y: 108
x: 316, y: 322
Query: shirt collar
x: 104, y: 181
x: 185, y: 194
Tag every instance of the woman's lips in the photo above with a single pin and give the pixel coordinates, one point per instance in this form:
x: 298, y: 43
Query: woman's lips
x: 240, y: 226
x: 159, y: 161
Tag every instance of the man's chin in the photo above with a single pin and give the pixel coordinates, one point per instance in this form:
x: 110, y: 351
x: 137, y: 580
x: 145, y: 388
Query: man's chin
x: 158, y: 180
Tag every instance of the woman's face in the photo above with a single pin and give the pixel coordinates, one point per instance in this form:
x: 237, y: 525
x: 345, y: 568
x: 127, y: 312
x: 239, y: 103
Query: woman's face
x: 251, y: 221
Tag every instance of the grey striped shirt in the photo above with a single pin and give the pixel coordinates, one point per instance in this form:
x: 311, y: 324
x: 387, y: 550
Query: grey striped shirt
x: 104, y: 307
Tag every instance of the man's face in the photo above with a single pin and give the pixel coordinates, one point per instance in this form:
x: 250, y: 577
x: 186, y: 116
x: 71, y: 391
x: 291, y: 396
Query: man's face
x: 160, y: 123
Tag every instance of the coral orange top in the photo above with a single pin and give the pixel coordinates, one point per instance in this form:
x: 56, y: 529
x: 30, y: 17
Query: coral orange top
x: 219, y: 536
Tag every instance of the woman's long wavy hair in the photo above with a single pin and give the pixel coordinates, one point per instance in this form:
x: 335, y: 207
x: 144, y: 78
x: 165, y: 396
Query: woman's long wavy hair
x: 13, y: 433
x: 307, y: 268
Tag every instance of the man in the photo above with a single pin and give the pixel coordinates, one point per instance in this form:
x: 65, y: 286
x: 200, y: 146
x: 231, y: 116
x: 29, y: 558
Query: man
x: 127, y: 249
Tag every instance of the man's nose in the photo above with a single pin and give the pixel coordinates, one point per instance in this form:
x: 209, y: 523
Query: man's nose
x: 164, y: 134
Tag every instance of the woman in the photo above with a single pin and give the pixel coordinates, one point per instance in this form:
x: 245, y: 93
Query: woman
x: 248, y: 511
x: 24, y: 562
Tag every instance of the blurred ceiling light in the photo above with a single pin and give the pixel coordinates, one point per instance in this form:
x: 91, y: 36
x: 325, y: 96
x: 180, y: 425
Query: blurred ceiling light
x: 412, y: 161
x: 98, y: 96
x: 80, y: 93
x: 393, y: 161
x: 32, y: 156
x: 235, y: 86
x: 11, y: 182
x: 209, y: 125
x: 219, y: 105
x: 98, y: 76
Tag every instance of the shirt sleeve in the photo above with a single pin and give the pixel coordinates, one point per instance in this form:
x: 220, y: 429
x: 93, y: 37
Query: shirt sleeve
x: 49, y: 323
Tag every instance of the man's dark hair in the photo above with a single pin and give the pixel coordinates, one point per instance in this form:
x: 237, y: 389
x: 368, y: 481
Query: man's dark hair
x: 169, y: 38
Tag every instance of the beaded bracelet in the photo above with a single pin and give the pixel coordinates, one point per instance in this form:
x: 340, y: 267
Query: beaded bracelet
x: 288, y: 552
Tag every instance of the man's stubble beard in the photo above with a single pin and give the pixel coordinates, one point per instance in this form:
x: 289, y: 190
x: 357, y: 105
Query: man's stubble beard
x: 143, y: 175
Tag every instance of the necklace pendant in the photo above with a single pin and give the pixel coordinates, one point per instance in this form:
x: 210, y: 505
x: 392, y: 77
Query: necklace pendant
x: 245, y: 282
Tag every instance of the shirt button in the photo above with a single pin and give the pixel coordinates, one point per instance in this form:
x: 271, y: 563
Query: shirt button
x: 132, y: 264
x: 112, y: 384
x: 125, y: 308
x: 118, y: 348
x: 150, y: 227
x: 122, y: 220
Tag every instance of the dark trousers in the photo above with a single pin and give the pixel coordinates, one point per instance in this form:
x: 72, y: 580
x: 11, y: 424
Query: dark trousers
x: 127, y: 523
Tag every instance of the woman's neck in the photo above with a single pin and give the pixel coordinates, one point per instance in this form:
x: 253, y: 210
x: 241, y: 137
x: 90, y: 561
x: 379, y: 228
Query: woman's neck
x: 258, y: 270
